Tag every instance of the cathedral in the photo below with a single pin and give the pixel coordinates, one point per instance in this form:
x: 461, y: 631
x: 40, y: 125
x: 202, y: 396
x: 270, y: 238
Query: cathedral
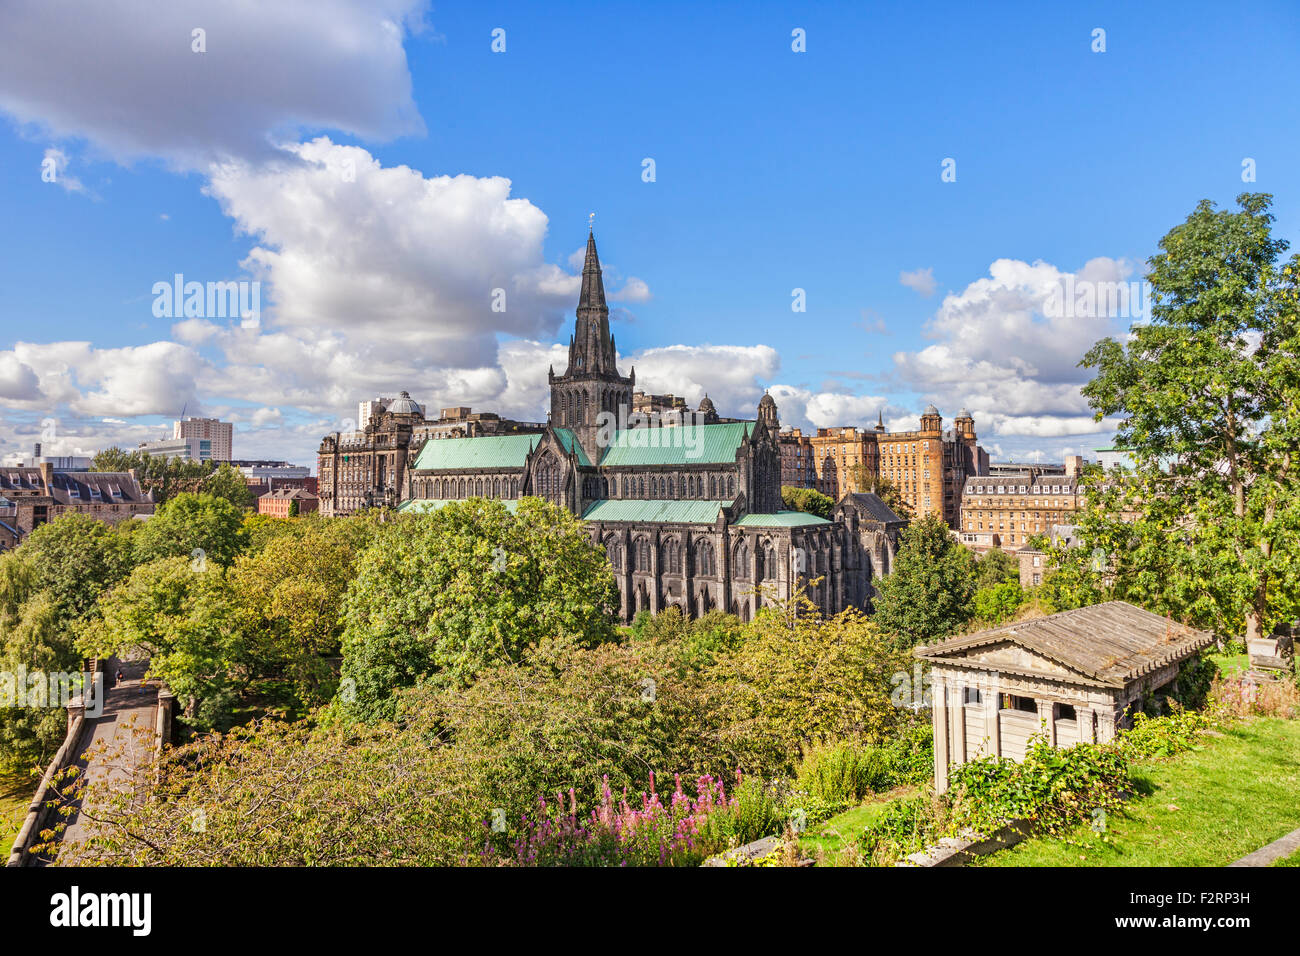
x: 687, y: 505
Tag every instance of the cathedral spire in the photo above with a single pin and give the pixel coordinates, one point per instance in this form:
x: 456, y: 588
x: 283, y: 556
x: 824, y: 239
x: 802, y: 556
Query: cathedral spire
x: 592, y: 347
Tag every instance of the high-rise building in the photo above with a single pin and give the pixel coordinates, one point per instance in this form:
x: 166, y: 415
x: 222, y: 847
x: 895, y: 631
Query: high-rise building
x: 220, y: 435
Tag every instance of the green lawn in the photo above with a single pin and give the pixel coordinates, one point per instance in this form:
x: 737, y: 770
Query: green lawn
x: 15, y: 797
x: 1209, y: 807
x: 1231, y: 663
x: 1292, y: 860
x: 841, y: 831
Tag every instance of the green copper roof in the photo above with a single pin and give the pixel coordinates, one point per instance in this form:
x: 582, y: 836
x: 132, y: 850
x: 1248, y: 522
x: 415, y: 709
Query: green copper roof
x: 782, y: 519
x: 677, y: 445
x: 677, y: 512
x: 421, y: 505
x: 488, y: 452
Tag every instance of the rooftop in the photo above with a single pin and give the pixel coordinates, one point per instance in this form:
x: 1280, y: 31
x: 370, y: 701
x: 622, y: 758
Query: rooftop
x: 1108, y: 644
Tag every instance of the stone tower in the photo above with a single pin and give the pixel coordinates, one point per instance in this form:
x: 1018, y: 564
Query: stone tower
x: 591, y: 384
x: 931, y: 421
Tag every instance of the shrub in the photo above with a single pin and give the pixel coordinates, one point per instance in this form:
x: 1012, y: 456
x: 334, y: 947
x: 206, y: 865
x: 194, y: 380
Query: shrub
x: 1054, y: 788
x: 998, y: 602
x: 1238, y: 696
x: 1162, y: 736
x: 844, y: 773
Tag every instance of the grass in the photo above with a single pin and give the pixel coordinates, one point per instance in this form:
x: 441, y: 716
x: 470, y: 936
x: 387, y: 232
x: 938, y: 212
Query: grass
x: 837, y: 835
x: 1292, y: 860
x: 1231, y: 663
x: 1235, y: 794
x: 15, y: 796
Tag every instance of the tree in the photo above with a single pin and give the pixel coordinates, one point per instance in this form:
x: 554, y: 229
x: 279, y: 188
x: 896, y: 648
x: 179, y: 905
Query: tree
x: 1208, y: 397
x: 186, y: 620
x: 997, y: 602
x: 35, y: 645
x: 446, y: 595
x: 193, y: 526
x: 1075, y: 578
x: 76, y: 558
x: 928, y: 597
x: 995, y: 568
x: 229, y: 484
x: 808, y: 500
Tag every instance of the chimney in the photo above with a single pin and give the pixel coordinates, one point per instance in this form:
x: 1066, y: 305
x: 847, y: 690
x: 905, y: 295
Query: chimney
x: 47, y: 476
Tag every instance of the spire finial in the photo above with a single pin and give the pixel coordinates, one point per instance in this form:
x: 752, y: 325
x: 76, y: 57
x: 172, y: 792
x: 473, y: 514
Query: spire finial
x: 591, y: 222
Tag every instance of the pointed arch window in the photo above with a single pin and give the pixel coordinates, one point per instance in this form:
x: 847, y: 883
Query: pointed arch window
x: 548, y: 479
x: 704, y: 558
x: 740, y: 566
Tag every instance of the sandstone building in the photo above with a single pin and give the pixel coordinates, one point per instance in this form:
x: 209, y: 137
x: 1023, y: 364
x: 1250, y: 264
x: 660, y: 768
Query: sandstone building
x: 929, y: 466
x: 1006, y: 509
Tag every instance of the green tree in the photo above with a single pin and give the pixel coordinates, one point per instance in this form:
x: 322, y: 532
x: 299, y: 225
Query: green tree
x: 995, y: 567
x: 201, y: 527
x: 1208, y: 397
x: 928, y: 597
x: 472, y: 585
x: 997, y: 602
x: 808, y: 500
x: 35, y: 643
x: 75, y: 558
x: 228, y: 483
x: 1075, y: 578
x: 187, y: 621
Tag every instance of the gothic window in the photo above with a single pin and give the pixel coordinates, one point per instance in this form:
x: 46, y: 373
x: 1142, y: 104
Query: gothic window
x: 614, y: 552
x: 640, y: 486
x: 548, y: 479
x: 769, y: 561
x: 672, y: 560
x: 740, y: 566
x: 731, y: 486
x: 704, y: 558
x: 496, y: 487
x: 604, y: 487
x: 642, y: 555
x: 462, y: 489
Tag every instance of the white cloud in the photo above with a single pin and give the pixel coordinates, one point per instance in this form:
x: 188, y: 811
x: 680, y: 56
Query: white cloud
x: 389, y: 261
x: 634, y: 290
x: 110, y: 72
x: 997, y: 353
x: 55, y: 162
x: 920, y: 281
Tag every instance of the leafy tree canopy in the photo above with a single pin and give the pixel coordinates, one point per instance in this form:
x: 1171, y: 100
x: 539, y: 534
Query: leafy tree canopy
x: 1207, y: 525
x: 928, y: 597
x: 808, y: 500
x: 449, y: 594
x: 196, y: 526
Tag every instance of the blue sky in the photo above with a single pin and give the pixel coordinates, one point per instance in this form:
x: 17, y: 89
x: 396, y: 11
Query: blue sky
x: 774, y: 170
